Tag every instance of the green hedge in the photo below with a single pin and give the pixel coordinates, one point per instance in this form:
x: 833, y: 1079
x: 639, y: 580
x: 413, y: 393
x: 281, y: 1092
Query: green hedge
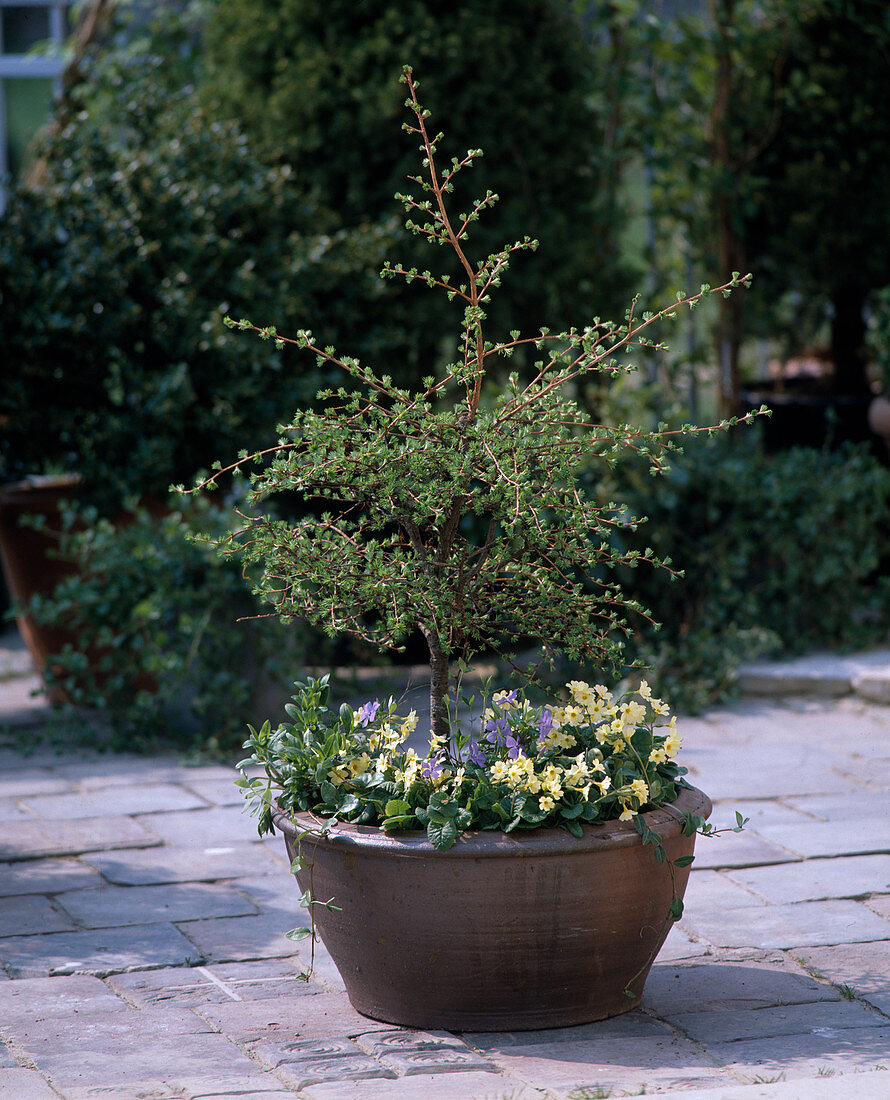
x: 781, y: 554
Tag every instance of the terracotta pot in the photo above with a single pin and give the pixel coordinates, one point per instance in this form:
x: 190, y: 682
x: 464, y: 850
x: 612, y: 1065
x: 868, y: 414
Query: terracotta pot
x: 502, y: 932
x: 879, y: 417
x: 31, y: 567
x: 29, y: 564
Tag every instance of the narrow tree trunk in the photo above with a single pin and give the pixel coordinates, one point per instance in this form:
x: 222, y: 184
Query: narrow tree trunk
x: 440, y: 675
x: 848, y: 331
x: 730, y: 249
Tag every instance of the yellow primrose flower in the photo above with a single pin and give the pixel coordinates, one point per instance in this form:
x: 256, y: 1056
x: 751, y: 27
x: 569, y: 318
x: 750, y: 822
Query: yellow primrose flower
x: 641, y: 789
x: 673, y: 741
x: 546, y: 803
x: 409, y: 724
x: 626, y: 815
x: 574, y: 716
x: 533, y: 784
x: 499, y: 771
x: 632, y: 713
x: 518, y: 771
x: 658, y: 707
x: 581, y: 692
x: 644, y: 691
x: 658, y: 755
x: 374, y: 742
x: 558, y: 717
x: 338, y: 776
x: 603, y: 692
x: 604, y: 784
x: 359, y: 764
x: 597, y: 710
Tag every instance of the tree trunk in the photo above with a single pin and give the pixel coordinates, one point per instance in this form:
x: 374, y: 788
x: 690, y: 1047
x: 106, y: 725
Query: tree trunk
x: 848, y: 331
x: 440, y: 674
x: 730, y: 248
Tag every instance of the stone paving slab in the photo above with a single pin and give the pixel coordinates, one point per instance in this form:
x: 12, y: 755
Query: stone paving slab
x: 219, y: 984
x: 804, y: 924
x: 25, y: 1084
x: 849, y: 877
x: 455, y: 1086
x: 112, y: 906
x: 835, y: 1085
x: 73, y: 995
x: 808, y: 1056
x: 219, y: 826
x: 834, y: 807
x: 234, y: 939
x: 11, y: 811
x: 719, y: 984
x: 100, y: 951
x: 149, y: 867
x: 707, y: 890
x: 850, y: 837
x: 616, y: 1064
x: 319, y: 1016
x: 31, y: 915
x: 862, y: 969
x: 139, y: 1057
x: 256, y: 1086
x: 36, y: 839
x: 746, y: 849
x: 31, y: 781
x: 46, y: 876
x: 123, y: 800
x: 818, y: 1017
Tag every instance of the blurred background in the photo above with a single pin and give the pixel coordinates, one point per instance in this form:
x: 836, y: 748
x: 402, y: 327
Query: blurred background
x: 166, y: 163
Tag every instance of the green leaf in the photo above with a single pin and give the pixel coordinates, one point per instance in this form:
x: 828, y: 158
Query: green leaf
x: 676, y: 908
x: 684, y: 861
x: 574, y: 828
x: 396, y: 807
x: 298, y: 933
x: 442, y: 834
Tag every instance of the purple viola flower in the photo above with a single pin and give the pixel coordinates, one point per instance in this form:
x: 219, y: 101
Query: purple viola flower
x: 431, y: 768
x: 474, y: 754
x: 368, y: 713
x: 497, y: 730
x: 515, y: 748
x: 545, y: 723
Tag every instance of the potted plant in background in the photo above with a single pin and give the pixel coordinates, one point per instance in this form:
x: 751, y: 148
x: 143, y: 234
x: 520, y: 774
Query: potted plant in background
x: 147, y: 221
x: 525, y: 870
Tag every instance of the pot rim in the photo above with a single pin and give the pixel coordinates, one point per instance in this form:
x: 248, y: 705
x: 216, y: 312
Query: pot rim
x: 666, y: 820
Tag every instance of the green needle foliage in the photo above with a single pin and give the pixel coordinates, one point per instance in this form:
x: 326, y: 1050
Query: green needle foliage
x: 435, y: 511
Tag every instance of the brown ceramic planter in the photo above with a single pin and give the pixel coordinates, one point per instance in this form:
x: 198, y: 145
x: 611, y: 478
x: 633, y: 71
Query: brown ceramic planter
x: 500, y: 932
x: 29, y: 564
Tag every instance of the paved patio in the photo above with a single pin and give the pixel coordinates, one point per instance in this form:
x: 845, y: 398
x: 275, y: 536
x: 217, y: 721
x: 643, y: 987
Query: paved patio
x: 143, y: 957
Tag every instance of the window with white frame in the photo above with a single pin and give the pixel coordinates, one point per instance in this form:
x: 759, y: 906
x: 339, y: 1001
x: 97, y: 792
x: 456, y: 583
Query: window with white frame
x: 29, y: 75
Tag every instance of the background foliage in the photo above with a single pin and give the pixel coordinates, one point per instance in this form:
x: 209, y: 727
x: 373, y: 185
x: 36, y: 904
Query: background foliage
x: 241, y: 157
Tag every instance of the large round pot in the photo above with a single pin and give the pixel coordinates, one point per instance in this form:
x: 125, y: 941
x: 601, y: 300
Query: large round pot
x: 502, y: 932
